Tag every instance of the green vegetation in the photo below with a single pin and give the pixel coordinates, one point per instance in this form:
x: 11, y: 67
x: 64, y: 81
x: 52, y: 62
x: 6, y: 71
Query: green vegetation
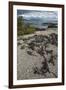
x: 23, y: 29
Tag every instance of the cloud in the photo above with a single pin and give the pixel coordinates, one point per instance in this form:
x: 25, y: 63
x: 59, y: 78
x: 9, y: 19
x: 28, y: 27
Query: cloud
x: 39, y: 14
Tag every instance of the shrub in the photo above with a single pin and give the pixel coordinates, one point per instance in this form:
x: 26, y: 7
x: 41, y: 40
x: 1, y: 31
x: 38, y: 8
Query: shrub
x: 23, y: 29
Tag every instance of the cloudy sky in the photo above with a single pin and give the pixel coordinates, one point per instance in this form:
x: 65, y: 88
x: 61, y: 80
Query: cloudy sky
x: 27, y: 14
